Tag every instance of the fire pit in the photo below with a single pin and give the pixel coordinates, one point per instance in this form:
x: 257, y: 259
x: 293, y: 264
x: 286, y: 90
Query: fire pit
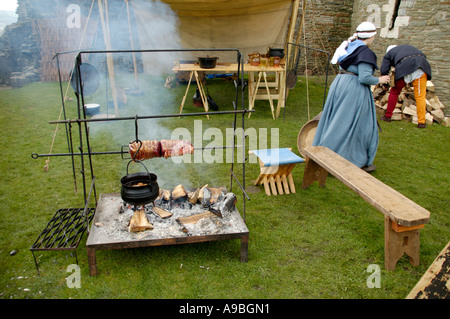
x: 175, y: 217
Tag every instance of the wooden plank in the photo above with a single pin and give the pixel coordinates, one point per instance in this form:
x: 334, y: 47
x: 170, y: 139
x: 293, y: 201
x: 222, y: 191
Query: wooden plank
x: 434, y: 284
x: 387, y: 200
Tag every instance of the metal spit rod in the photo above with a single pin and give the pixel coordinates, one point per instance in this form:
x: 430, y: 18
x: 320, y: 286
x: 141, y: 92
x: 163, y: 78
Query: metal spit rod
x: 121, y: 152
x: 128, y: 118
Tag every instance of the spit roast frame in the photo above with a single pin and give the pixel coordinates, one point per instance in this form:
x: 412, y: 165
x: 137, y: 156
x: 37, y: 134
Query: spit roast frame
x: 66, y: 228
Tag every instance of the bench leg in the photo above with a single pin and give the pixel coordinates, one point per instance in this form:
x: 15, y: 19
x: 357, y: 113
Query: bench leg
x: 398, y: 243
x: 313, y: 172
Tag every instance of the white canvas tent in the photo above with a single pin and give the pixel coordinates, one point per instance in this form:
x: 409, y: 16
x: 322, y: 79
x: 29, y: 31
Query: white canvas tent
x: 246, y: 25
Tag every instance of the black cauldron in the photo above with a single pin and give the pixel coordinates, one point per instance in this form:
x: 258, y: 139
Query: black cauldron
x: 276, y: 52
x: 139, y: 188
x: 207, y: 62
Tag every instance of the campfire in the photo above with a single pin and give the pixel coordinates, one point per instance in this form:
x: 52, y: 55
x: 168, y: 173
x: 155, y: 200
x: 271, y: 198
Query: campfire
x: 186, y: 208
x: 174, y: 213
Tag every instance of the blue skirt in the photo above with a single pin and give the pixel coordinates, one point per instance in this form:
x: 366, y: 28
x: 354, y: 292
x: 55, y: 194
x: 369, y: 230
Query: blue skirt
x: 348, y: 124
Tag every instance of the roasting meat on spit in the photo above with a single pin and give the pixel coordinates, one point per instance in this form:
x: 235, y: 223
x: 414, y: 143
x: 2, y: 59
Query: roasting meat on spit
x: 142, y: 150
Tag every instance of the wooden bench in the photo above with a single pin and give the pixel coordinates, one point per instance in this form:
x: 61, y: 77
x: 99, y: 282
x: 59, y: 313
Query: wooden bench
x: 403, y: 217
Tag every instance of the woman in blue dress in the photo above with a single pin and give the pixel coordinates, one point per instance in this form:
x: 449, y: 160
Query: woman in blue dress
x: 348, y: 123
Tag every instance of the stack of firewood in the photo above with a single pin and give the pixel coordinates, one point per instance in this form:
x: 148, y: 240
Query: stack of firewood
x: 406, y: 104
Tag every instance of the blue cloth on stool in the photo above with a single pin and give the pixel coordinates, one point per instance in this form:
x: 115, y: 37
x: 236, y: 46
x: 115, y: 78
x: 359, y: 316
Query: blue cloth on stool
x: 277, y: 156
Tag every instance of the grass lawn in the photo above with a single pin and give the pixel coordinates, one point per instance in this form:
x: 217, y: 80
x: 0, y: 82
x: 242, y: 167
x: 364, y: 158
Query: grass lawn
x: 317, y: 243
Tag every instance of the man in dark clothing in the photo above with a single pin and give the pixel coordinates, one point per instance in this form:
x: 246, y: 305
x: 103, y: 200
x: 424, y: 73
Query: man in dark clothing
x: 411, y: 66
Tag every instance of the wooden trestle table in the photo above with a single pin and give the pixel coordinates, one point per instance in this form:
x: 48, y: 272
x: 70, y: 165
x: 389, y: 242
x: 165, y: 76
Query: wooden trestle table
x: 260, y: 85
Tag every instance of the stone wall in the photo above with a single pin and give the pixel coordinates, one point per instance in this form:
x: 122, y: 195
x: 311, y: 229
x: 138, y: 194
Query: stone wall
x: 19, y: 51
x: 46, y: 27
x: 421, y: 23
x: 327, y: 23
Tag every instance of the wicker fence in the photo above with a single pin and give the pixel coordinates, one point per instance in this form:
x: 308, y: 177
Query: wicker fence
x: 56, y: 37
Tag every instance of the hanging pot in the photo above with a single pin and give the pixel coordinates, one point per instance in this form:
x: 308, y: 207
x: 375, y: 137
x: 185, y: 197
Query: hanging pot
x: 139, y: 188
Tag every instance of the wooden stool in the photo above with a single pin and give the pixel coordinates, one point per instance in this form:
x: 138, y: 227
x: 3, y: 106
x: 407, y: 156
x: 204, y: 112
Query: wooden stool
x: 276, y: 165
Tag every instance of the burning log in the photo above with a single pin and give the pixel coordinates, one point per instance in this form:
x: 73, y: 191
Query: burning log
x: 139, y: 222
x: 161, y: 212
x: 178, y: 192
x: 205, y: 200
x: 217, y: 194
x: 165, y: 194
x: 201, y: 193
x: 194, y: 218
x: 224, y: 206
x: 193, y: 196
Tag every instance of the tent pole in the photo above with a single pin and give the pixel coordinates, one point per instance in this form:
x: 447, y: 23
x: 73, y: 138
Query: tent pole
x: 292, y: 23
x: 109, y: 59
x: 132, y: 45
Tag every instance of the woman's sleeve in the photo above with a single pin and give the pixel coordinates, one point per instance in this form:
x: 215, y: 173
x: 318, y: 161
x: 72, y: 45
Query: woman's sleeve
x: 365, y: 74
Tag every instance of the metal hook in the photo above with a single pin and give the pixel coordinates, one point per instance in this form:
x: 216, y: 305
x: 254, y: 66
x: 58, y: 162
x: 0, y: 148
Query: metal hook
x: 136, y: 127
x: 137, y: 138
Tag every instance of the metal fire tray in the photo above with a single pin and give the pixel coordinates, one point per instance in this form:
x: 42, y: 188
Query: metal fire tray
x: 109, y: 231
x: 63, y: 231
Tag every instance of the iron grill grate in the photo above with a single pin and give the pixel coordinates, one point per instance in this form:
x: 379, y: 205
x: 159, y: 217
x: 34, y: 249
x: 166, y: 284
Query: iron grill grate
x: 64, y: 230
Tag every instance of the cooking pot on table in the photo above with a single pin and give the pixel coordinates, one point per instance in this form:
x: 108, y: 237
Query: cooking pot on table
x: 207, y: 62
x: 276, y: 52
x: 139, y: 188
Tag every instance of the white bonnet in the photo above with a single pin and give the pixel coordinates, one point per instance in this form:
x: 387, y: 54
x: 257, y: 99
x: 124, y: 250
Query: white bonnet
x: 390, y: 47
x: 366, y: 30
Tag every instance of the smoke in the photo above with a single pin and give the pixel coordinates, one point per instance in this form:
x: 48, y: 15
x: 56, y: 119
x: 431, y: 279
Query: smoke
x: 139, y: 83
x: 139, y: 79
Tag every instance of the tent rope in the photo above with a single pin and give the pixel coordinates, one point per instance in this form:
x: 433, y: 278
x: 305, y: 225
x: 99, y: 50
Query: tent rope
x: 306, y: 70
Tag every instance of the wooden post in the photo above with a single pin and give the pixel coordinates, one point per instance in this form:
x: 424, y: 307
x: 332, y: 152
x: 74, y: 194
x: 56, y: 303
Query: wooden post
x: 290, y: 34
x: 109, y: 59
